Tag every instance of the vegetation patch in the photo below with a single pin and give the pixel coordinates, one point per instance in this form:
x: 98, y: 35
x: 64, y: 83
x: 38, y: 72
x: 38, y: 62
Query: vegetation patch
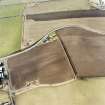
x: 10, y: 35
x: 10, y: 28
x: 11, y: 10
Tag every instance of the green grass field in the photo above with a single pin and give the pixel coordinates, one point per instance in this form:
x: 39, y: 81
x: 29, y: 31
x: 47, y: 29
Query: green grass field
x: 10, y: 35
x: 10, y: 29
x: 11, y: 10
x: 78, y: 92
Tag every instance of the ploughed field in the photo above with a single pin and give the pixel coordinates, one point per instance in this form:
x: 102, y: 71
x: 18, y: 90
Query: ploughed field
x: 46, y: 63
x: 77, y: 52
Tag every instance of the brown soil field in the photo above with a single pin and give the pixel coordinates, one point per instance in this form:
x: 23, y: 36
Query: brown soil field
x: 86, y: 49
x: 46, y: 63
x: 79, y: 51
